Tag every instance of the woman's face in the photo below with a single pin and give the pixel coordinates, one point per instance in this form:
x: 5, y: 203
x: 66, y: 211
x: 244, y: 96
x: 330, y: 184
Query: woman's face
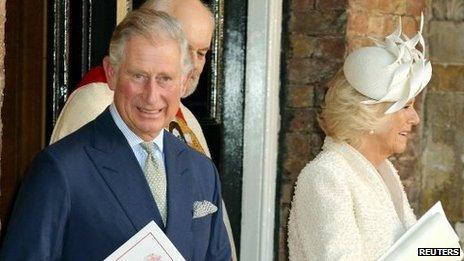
x: 393, y: 134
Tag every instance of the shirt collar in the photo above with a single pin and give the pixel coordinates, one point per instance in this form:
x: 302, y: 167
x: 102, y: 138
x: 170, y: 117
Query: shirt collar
x: 130, y: 136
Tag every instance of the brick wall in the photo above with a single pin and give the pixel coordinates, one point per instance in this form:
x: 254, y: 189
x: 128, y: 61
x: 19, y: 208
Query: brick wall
x: 314, y: 47
x: 441, y: 165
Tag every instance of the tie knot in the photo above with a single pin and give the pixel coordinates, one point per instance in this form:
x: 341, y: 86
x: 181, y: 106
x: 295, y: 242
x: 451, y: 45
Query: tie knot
x: 148, y: 147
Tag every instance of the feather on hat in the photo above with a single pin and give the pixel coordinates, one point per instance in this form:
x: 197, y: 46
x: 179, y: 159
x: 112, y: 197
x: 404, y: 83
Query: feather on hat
x: 391, y: 71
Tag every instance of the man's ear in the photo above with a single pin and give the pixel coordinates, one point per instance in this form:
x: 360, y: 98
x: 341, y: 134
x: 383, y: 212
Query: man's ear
x: 110, y: 73
x: 186, y: 82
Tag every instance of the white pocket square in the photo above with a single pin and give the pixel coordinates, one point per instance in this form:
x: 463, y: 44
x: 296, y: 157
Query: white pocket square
x: 203, y: 208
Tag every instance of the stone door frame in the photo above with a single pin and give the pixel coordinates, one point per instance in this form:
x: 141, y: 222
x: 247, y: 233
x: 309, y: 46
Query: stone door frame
x: 261, y: 127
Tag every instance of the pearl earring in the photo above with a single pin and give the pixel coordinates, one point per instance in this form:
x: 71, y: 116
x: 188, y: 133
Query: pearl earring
x: 371, y: 132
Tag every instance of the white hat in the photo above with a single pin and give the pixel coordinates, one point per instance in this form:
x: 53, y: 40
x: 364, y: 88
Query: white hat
x: 392, y: 71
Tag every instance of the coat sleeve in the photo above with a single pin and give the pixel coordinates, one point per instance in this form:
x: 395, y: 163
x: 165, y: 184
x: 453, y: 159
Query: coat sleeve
x: 37, y: 224
x: 322, y: 220
x: 219, y: 246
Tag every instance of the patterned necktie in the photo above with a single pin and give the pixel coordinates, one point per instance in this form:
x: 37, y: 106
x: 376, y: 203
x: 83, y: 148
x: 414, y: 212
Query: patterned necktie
x: 156, y: 177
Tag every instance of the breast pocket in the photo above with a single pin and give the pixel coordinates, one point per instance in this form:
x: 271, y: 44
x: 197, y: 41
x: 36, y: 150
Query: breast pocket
x: 202, y: 223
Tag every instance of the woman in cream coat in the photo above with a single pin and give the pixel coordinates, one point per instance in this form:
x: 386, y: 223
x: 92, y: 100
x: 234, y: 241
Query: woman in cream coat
x: 349, y: 202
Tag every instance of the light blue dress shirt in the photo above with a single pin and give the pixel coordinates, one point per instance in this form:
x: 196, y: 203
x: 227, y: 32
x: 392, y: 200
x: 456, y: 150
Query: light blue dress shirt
x: 134, y: 140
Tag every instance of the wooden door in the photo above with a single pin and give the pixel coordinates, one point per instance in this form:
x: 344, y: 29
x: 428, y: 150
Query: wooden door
x: 23, y: 112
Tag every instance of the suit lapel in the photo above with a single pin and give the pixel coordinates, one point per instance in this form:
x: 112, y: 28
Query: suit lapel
x: 116, y: 163
x: 180, y: 195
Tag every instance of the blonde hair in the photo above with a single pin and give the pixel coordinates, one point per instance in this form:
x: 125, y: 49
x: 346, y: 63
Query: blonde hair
x: 151, y: 25
x: 344, y: 117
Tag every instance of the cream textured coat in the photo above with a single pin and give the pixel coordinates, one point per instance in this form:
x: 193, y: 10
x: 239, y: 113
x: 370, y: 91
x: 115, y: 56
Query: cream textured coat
x: 345, y: 209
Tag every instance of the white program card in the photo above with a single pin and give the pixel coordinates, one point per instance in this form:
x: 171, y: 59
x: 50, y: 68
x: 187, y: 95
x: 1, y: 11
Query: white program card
x: 149, y: 244
x: 431, y: 232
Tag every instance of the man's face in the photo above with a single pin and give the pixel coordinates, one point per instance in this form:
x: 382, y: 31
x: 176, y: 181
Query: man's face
x: 198, y: 29
x: 148, y: 85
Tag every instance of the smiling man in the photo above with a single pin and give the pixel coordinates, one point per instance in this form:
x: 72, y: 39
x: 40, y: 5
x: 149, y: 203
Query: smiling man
x: 93, y: 94
x: 88, y: 193
x: 147, y: 84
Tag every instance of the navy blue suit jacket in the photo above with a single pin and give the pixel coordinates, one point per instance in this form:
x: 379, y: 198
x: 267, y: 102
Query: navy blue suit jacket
x: 86, y: 195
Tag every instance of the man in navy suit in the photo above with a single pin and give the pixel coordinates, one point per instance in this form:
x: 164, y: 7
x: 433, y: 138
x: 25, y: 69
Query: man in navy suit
x: 87, y: 194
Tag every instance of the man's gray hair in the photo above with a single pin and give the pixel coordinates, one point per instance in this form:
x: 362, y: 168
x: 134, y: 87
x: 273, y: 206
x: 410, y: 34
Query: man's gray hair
x: 150, y: 24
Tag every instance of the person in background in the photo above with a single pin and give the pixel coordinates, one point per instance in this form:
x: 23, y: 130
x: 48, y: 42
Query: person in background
x: 349, y: 202
x: 87, y: 194
x: 93, y: 95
